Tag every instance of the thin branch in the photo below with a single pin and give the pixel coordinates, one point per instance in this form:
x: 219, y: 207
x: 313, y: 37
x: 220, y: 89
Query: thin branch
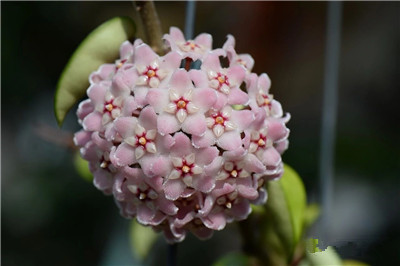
x: 152, y: 25
x: 172, y: 254
x: 190, y: 17
x: 55, y: 136
x: 329, y: 116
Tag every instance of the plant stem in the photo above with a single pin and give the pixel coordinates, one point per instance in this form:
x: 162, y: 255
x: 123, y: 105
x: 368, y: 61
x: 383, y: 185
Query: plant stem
x: 152, y: 25
x: 172, y: 250
x: 251, y: 239
x: 190, y: 17
x: 329, y: 117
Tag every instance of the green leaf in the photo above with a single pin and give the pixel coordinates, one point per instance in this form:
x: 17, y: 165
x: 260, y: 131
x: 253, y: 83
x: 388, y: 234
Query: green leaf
x: 284, y: 218
x: 312, y: 245
x: 353, y: 263
x: 99, y: 47
x: 82, y: 167
x: 315, y: 256
x: 295, y: 196
x: 326, y: 257
x: 238, y: 107
x: 234, y: 259
x: 142, y: 239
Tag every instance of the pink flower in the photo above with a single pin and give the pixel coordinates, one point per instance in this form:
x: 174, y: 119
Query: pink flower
x: 194, y: 49
x: 188, y: 168
x: 226, y: 81
x: 169, y: 143
x: 181, y: 106
x: 142, y: 197
x: 152, y: 69
x: 261, y: 98
x: 224, y: 128
x: 244, y: 60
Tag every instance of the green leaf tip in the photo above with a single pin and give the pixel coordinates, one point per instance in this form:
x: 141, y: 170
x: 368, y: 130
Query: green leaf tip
x: 82, y: 167
x: 142, y: 239
x: 328, y: 256
x: 101, y: 46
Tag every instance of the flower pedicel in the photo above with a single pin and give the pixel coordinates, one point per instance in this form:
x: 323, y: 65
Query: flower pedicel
x: 168, y: 141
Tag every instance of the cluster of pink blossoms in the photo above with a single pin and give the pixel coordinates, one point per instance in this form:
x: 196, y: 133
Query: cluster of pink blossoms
x: 165, y: 136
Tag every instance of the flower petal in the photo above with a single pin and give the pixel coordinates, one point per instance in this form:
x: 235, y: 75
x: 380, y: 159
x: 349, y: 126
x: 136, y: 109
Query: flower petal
x: 124, y: 155
x: 211, y: 62
x: 167, y: 124
x: 271, y: 157
x: 158, y: 99
x: 145, y: 214
x: 214, y: 167
x: 202, y: 232
x: 241, y: 210
x: 103, y: 180
x: 171, y: 61
x: 206, y: 155
x: 276, y: 129
x: 97, y: 93
x: 180, y: 81
x: 126, y: 49
x: 125, y: 126
x: 237, y: 96
x: 247, y: 192
x: 161, y: 166
x: 230, y: 140
x: 182, y: 146
x: 148, y: 118
x: 204, y: 39
x: 204, y: 98
x: 199, y: 78
x: 85, y: 107
x: 204, y: 183
x: 195, y: 124
x: 215, y: 221
x: 236, y: 75
x: 93, y: 122
x: 82, y: 137
x: 242, y: 118
x: 253, y: 164
x: 173, y: 188
x: 208, y: 139
x: 166, y: 206
x: 144, y: 55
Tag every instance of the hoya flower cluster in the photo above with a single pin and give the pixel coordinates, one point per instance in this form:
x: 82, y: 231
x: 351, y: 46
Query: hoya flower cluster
x: 182, y: 142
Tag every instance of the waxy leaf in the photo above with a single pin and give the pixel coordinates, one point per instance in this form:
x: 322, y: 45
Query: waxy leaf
x: 273, y: 231
x: 82, y: 167
x: 99, y: 47
x: 353, y: 263
x: 284, y: 217
x: 142, y: 239
x: 326, y: 257
x: 295, y: 196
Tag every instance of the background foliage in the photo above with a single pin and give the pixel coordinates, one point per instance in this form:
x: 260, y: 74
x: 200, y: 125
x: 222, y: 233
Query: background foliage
x: 50, y: 216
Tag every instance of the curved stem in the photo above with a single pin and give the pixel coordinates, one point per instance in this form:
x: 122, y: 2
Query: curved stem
x: 152, y: 25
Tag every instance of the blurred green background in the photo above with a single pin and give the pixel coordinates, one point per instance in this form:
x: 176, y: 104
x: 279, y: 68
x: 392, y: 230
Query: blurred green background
x: 51, y: 216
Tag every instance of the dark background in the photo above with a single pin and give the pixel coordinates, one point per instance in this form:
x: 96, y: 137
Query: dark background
x: 50, y: 216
